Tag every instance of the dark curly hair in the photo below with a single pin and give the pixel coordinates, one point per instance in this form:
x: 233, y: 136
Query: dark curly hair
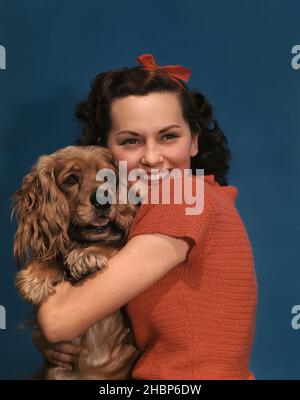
x: 213, y: 155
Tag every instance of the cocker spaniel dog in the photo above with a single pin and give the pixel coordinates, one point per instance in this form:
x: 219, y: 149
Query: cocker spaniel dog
x: 64, y: 232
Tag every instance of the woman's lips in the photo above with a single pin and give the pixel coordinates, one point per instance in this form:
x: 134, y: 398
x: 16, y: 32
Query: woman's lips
x: 156, y: 176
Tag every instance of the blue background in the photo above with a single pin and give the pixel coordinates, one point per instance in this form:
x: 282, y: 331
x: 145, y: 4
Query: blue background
x: 240, y: 55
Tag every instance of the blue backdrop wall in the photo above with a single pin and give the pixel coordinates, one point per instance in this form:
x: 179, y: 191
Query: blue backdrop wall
x: 240, y: 53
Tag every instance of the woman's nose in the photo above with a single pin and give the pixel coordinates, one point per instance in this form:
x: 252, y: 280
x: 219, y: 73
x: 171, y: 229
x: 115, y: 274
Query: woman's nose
x: 152, y: 157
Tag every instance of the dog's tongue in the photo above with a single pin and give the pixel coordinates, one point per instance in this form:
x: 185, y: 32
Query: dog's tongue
x: 100, y: 221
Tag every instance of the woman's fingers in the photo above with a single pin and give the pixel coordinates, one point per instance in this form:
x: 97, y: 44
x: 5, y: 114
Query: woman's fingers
x: 60, y: 364
x: 68, y: 348
x: 62, y: 357
x: 63, y: 354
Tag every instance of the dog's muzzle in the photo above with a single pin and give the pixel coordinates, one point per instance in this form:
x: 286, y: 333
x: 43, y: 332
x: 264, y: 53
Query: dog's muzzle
x: 101, y: 199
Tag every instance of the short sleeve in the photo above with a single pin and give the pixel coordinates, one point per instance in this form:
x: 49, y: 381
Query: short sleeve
x: 173, y: 220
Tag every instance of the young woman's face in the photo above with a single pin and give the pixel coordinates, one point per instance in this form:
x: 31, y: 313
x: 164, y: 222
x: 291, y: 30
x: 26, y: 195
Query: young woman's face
x: 149, y: 132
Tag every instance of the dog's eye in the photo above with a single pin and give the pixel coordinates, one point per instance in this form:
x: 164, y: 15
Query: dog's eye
x: 71, y: 180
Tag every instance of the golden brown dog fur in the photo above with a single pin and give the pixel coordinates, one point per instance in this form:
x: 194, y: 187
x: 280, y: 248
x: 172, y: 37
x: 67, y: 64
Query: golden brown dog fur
x: 58, y: 232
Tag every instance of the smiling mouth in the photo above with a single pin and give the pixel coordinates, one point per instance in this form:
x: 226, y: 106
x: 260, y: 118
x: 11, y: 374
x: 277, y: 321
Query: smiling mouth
x: 156, y: 176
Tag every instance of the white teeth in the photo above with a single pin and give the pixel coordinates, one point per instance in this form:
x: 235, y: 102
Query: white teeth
x: 161, y: 175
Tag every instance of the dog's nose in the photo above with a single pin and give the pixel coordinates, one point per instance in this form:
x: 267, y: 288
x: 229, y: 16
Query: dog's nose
x: 106, y: 199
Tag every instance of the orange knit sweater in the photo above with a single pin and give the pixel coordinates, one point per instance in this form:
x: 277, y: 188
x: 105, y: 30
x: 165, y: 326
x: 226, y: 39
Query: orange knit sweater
x: 197, y: 321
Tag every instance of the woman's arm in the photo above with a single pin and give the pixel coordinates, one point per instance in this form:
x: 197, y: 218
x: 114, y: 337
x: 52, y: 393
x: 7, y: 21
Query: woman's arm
x: 71, y: 310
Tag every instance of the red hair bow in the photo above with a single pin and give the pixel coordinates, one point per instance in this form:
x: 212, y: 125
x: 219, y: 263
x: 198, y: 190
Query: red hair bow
x: 175, y: 72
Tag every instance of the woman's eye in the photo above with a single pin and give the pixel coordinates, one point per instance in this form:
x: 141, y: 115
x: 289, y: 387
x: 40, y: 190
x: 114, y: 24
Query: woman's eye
x: 129, y: 141
x: 71, y: 180
x: 169, y: 136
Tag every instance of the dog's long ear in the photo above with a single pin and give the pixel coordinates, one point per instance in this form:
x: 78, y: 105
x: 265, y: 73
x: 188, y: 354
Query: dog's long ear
x: 43, y: 215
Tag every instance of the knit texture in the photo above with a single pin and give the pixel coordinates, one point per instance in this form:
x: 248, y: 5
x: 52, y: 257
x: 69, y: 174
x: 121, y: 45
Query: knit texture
x: 197, y: 321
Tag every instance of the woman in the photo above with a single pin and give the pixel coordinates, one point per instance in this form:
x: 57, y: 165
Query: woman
x: 188, y: 282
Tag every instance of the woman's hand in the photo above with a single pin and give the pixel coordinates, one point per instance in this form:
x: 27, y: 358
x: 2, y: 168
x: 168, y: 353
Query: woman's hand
x: 62, y: 354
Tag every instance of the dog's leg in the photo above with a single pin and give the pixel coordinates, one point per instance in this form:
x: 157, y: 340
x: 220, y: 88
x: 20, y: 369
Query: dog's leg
x: 84, y: 261
x: 36, y: 281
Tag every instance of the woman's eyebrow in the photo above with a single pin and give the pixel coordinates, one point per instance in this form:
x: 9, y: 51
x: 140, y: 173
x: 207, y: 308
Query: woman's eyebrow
x: 161, y: 131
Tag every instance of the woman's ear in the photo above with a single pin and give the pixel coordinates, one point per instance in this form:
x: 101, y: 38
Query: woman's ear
x: 194, y: 145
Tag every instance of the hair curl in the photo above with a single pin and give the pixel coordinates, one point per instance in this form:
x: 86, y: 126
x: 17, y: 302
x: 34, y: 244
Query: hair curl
x: 213, y: 156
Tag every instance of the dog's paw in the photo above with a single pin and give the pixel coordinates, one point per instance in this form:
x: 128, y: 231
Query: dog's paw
x: 81, y: 263
x: 34, y: 288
